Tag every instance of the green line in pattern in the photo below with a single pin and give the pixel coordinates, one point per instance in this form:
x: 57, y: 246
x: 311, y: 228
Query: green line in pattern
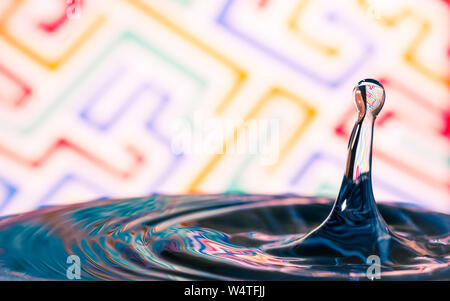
x: 62, y: 99
x: 434, y: 156
x: 184, y: 2
x: 327, y: 190
x: 235, y: 184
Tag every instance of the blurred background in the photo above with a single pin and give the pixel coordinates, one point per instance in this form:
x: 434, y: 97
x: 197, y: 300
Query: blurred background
x: 91, y: 91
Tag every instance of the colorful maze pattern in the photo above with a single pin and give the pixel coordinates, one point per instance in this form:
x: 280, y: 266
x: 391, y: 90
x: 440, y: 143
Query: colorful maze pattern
x: 89, y: 91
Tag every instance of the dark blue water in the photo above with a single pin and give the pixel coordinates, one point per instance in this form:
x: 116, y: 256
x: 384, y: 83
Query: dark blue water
x: 245, y: 237
x: 239, y: 237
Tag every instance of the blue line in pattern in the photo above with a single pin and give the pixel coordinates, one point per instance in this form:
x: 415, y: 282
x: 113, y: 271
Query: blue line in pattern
x: 63, y: 181
x: 151, y: 124
x: 319, y: 156
x: 334, y: 19
x: 11, y: 190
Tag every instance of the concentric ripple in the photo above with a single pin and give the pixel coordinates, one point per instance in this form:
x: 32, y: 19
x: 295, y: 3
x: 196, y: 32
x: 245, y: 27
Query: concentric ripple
x: 197, y: 237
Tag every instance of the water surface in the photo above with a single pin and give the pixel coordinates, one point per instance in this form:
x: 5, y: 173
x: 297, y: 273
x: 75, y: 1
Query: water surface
x: 218, y: 237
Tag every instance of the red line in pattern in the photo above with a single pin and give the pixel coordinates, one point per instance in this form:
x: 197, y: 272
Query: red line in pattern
x: 426, y: 104
x: 50, y: 27
x: 391, y: 160
x: 339, y: 129
x: 341, y: 132
x: 262, y: 3
x: 446, y: 128
x: 64, y: 143
x: 26, y: 89
x: 388, y: 115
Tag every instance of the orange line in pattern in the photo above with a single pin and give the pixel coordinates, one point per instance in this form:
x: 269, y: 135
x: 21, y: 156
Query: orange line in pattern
x: 239, y: 72
x: 267, y: 97
x: 293, y: 25
x: 64, y: 143
x: 410, y: 54
x: 51, y: 64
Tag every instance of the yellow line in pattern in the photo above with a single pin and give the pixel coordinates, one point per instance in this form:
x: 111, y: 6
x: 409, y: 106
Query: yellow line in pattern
x: 410, y: 53
x: 305, y: 37
x: 266, y: 98
x: 51, y: 64
x: 239, y: 72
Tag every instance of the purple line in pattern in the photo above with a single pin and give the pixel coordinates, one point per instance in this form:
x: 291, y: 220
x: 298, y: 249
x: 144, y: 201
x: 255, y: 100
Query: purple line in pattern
x: 11, y: 190
x: 151, y: 124
x: 100, y: 92
x: 63, y: 181
x: 319, y: 156
x: 335, y: 19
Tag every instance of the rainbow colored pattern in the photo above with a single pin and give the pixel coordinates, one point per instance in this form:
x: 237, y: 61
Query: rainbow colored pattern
x: 89, y: 92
